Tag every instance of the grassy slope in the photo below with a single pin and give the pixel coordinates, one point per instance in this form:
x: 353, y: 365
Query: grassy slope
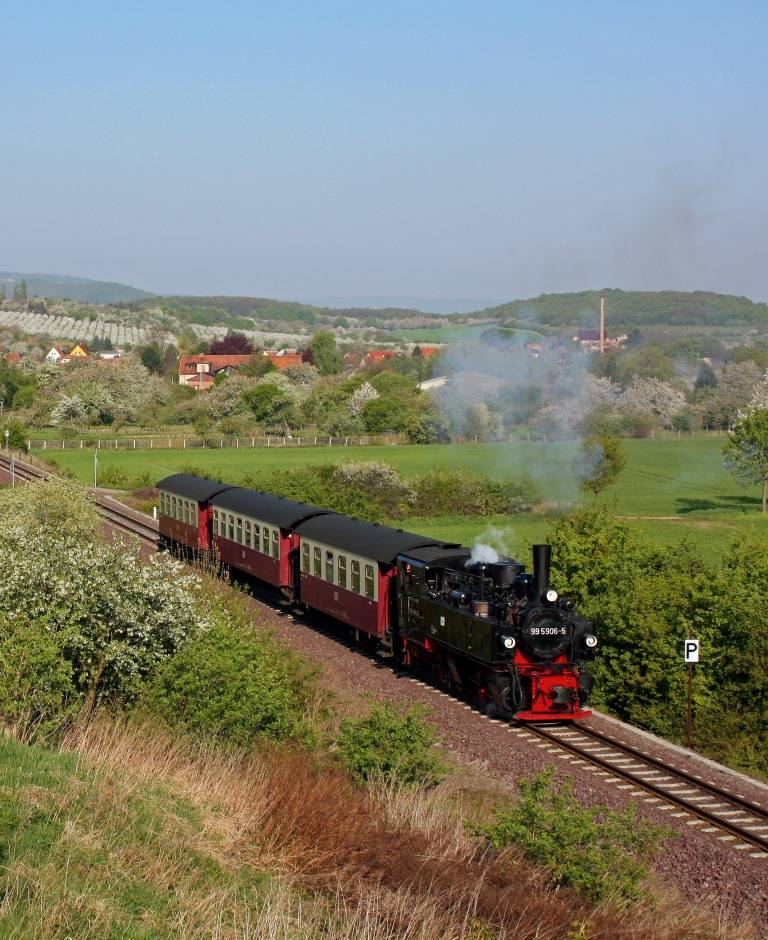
x: 134, y: 835
x: 89, y: 854
x: 681, y: 485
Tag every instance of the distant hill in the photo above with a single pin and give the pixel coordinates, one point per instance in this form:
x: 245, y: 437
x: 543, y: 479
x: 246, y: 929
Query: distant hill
x: 630, y: 309
x: 63, y: 287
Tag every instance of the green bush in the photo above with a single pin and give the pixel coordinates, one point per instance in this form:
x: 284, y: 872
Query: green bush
x: 114, y: 476
x: 235, y: 683
x: 376, y: 492
x: 390, y: 746
x: 17, y: 435
x: 598, y: 851
x: 319, y: 485
x: 453, y: 492
x: 37, y: 689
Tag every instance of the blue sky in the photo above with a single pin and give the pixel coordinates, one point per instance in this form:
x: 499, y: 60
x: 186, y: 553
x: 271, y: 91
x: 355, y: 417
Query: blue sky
x: 351, y: 150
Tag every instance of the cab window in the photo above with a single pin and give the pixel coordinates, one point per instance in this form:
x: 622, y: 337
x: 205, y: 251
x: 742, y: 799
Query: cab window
x: 355, y: 571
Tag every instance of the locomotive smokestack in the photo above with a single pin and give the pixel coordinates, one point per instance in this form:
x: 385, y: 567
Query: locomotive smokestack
x: 542, y: 556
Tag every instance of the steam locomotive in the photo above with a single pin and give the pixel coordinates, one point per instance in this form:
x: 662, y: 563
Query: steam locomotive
x: 487, y: 630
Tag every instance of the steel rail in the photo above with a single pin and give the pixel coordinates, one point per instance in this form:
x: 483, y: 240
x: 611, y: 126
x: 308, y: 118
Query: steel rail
x: 581, y: 740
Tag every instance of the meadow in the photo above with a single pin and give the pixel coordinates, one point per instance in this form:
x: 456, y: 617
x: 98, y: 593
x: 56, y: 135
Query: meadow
x: 672, y: 488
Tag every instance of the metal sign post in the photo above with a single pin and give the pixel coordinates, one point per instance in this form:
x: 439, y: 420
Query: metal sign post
x: 691, y: 656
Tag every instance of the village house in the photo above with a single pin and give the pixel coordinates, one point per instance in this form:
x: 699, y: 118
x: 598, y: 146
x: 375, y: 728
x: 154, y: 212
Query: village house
x: 199, y: 371
x: 57, y: 355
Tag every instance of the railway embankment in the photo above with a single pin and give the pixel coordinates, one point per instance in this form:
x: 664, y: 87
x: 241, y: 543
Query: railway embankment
x: 490, y: 757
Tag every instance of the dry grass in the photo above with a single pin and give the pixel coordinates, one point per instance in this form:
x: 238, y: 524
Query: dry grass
x: 376, y: 865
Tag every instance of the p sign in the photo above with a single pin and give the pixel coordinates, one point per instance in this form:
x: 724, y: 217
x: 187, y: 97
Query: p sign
x: 691, y: 651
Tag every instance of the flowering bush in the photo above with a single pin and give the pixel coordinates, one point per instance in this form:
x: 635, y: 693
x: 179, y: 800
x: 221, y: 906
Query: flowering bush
x: 122, y: 618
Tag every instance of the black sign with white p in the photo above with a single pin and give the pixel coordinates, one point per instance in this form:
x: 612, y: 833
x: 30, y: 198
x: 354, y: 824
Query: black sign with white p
x: 691, y: 651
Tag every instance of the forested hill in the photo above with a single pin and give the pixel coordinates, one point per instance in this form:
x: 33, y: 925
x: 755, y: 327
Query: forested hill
x: 631, y: 308
x: 65, y: 287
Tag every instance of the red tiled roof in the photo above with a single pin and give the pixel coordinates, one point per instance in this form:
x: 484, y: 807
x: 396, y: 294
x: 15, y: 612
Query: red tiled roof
x: 285, y: 361
x: 426, y: 351
x: 188, y: 364
x: 12, y: 357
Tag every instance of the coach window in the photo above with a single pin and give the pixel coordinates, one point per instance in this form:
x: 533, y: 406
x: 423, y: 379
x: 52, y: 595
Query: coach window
x: 231, y: 527
x: 341, y: 571
x: 256, y: 535
x: 265, y: 540
x: 276, y: 543
x: 239, y: 531
x: 215, y: 522
x: 370, y: 586
x: 247, y: 542
x: 329, y: 567
x: 355, y: 571
x: 305, y: 557
x: 188, y: 512
x: 173, y: 507
x: 317, y: 567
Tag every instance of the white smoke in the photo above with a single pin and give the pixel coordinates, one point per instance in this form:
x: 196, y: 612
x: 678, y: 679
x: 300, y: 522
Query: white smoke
x: 483, y: 554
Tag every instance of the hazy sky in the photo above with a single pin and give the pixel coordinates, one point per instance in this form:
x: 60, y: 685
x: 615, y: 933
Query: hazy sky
x: 333, y: 149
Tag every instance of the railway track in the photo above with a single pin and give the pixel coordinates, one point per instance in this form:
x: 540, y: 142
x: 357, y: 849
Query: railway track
x: 726, y: 815
x: 112, y: 511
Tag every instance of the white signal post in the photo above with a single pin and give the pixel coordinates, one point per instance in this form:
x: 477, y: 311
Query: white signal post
x: 691, y: 657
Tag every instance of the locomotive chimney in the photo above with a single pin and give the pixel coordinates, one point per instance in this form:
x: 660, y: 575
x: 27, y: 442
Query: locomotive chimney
x: 542, y: 556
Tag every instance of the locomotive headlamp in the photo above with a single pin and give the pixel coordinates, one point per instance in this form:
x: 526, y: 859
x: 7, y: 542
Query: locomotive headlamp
x: 590, y: 641
x: 509, y: 642
x: 551, y: 595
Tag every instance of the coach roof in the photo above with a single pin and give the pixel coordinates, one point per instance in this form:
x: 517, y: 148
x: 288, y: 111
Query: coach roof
x: 379, y: 542
x: 192, y: 487
x: 265, y: 507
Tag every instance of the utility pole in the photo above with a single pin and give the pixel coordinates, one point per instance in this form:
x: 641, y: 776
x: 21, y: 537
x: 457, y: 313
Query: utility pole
x: 602, y: 325
x: 95, y: 468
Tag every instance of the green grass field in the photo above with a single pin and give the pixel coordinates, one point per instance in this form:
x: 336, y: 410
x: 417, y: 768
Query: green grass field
x: 671, y: 488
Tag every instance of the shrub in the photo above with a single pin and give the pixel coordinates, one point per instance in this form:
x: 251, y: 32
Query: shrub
x: 596, y: 850
x: 114, y: 476
x: 17, y: 435
x: 121, y: 618
x: 453, y: 492
x: 37, y: 690
x: 390, y: 746
x: 236, y: 683
x: 318, y: 485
